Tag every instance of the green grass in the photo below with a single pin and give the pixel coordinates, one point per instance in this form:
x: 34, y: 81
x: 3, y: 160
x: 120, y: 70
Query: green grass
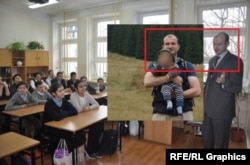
x: 128, y: 98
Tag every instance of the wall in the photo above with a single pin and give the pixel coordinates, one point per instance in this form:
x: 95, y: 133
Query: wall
x: 128, y: 14
x: 244, y: 116
x: 21, y: 27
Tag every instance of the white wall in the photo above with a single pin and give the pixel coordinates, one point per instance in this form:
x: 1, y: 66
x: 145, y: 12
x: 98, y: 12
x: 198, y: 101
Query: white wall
x: 128, y: 14
x: 20, y: 27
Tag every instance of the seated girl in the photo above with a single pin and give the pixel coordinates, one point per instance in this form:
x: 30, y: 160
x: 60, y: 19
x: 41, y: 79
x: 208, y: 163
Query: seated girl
x: 58, y: 108
x: 83, y: 101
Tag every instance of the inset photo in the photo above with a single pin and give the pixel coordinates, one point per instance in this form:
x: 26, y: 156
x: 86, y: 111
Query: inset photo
x: 155, y: 72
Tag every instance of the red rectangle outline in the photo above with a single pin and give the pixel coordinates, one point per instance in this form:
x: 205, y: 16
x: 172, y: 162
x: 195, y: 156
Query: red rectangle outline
x: 189, y: 29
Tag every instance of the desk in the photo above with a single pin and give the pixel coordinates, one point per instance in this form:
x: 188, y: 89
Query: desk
x: 27, y: 111
x: 158, y: 131
x: 80, y: 121
x: 100, y: 95
x: 3, y: 102
x: 11, y: 143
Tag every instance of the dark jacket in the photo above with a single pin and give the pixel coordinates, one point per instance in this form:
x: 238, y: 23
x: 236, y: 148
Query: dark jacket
x: 91, y: 89
x: 219, y: 100
x: 70, y: 84
x: 63, y: 82
x: 54, y: 113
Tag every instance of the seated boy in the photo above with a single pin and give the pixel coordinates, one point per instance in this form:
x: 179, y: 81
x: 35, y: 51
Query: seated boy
x: 166, y: 61
x: 41, y: 95
x: 21, y: 99
x: 101, y: 84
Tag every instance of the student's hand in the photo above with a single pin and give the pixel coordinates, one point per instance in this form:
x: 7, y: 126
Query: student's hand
x: 24, y: 105
x: 86, y: 108
x: 178, y: 80
x: 3, y: 83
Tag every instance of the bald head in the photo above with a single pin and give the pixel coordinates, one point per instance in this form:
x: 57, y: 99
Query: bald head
x: 223, y: 35
x: 171, y: 43
x: 171, y: 36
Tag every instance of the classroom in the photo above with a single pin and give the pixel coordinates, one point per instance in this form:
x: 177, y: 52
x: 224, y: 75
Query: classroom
x: 59, y: 60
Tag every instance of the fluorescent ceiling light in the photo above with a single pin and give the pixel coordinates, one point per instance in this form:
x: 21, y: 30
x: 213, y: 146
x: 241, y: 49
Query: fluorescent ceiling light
x: 37, y: 5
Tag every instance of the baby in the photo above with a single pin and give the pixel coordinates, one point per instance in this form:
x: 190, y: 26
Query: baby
x: 166, y: 61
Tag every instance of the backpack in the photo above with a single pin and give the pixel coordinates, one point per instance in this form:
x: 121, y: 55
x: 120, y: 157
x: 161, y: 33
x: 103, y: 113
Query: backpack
x: 19, y: 160
x: 159, y: 105
x: 108, y: 141
x: 124, y: 125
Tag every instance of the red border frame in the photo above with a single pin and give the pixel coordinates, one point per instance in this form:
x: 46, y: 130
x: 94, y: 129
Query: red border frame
x: 188, y: 29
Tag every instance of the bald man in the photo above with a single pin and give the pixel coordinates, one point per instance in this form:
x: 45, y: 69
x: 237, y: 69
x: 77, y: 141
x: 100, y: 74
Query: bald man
x: 219, y: 94
x: 189, y: 81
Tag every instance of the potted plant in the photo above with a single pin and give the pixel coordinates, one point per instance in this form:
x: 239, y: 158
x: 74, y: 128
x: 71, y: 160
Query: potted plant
x: 237, y: 132
x: 15, y: 46
x: 35, y: 45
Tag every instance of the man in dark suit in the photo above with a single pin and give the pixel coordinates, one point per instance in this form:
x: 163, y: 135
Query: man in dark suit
x: 219, y: 94
x: 59, y: 78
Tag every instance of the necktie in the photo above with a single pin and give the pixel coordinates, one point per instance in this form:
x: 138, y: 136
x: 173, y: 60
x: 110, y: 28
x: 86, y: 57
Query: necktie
x: 215, y: 62
x: 214, y: 65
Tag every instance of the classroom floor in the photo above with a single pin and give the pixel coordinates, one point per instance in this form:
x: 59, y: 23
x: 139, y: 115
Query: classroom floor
x: 138, y: 151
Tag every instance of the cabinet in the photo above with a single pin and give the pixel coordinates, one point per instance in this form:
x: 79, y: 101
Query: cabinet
x: 158, y: 131
x: 5, y: 65
x: 32, y: 61
x: 36, y: 58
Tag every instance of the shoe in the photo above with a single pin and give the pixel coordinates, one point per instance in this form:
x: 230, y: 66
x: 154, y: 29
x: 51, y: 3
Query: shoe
x: 98, y: 154
x: 90, y: 156
x: 169, y: 106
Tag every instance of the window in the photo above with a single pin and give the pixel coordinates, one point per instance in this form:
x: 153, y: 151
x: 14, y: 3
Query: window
x: 69, y: 48
x: 223, y: 16
x: 154, y: 18
x: 99, y: 59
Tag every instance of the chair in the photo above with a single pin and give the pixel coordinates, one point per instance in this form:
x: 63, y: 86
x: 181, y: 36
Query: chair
x: 194, y: 131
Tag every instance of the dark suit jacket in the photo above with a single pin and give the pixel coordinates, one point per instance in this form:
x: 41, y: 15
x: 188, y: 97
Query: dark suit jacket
x: 219, y: 100
x: 63, y: 82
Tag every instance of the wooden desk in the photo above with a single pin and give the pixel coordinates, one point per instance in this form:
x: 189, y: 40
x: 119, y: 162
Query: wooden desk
x: 20, y: 113
x: 158, y: 131
x: 100, y: 95
x: 80, y: 121
x: 25, y: 111
x: 11, y: 143
x: 3, y: 102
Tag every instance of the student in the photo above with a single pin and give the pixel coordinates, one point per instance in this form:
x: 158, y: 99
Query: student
x: 89, y: 88
x: 41, y: 95
x: 50, y: 77
x: 59, y: 78
x: 37, y: 77
x: 57, y: 108
x: 13, y: 87
x: 21, y: 99
x: 4, y: 90
x: 101, y: 84
x: 83, y: 101
x: 71, y: 81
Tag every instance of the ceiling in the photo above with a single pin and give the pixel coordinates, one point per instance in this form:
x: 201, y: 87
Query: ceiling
x: 63, y: 5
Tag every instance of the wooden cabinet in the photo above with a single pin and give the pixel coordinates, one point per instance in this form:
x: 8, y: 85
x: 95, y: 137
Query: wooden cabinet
x: 36, y: 58
x: 5, y: 64
x: 32, y: 61
x: 158, y: 131
x: 5, y: 55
